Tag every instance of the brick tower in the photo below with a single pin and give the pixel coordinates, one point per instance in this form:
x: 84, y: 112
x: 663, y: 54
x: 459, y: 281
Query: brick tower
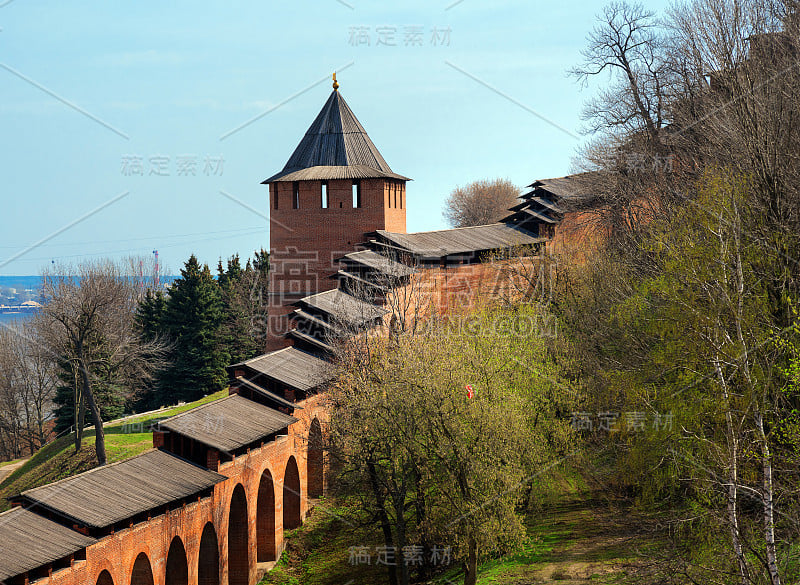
x: 335, y: 187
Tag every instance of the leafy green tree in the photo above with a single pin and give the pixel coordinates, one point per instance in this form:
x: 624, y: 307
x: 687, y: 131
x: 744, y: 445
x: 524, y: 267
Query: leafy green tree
x: 711, y: 294
x: 434, y: 462
x: 695, y: 336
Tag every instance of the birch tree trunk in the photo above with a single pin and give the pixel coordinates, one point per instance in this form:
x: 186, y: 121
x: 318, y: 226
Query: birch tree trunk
x: 767, y: 495
x: 769, y: 504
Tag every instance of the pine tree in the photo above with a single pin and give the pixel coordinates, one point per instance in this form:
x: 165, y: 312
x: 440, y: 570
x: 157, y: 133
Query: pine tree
x: 65, y: 400
x: 150, y: 314
x: 230, y: 276
x: 191, y: 320
x: 243, y: 308
x: 150, y: 319
x: 260, y: 288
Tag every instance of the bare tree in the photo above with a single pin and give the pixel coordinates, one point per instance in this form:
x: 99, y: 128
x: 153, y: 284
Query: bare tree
x: 480, y: 202
x: 88, y: 321
x: 627, y: 44
x: 39, y: 387
x: 11, y: 425
x: 634, y: 177
x: 27, y: 387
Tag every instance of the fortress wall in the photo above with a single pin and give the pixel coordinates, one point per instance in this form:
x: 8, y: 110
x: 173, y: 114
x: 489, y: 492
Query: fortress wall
x: 117, y: 553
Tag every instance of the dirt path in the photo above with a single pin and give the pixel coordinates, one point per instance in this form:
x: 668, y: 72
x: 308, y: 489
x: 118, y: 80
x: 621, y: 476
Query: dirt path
x: 7, y: 470
x: 588, y: 539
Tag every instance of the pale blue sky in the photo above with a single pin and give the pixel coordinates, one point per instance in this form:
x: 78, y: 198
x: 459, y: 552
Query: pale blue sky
x: 86, y: 85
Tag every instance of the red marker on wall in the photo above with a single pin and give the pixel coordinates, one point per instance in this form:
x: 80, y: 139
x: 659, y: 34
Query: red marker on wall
x: 470, y: 393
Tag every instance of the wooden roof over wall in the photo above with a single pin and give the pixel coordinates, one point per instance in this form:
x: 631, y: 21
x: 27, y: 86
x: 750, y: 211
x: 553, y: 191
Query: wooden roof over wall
x: 343, y: 307
x: 441, y: 243
x: 379, y: 263
x: 567, y: 187
x: 31, y: 541
x: 103, y: 496
x: 244, y: 382
x: 290, y: 366
x: 229, y: 423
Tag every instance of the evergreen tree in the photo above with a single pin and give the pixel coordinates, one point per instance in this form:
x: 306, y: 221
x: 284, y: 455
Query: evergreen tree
x: 243, y: 307
x: 65, y: 399
x: 150, y: 319
x: 261, y: 285
x: 150, y: 314
x: 191, y: 320
x: 228, y: 277
x: 209, y: 324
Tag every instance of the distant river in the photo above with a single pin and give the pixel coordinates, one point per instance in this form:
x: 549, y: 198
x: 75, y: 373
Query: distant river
x: 11, y: 318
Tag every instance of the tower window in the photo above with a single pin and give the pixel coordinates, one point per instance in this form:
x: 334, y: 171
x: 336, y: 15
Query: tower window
x: 401, y: 195
x: 275, y: 197
x: 394, y: 193
x: 324, y: 194
x: 356, y: 194
x: 295, y: 195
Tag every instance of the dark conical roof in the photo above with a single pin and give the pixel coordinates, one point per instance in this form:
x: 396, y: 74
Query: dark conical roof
x: 335, y: 146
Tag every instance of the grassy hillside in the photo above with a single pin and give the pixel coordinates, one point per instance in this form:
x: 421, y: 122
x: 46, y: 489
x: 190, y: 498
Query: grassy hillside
x: 58, y: 459
x: 576, y: 534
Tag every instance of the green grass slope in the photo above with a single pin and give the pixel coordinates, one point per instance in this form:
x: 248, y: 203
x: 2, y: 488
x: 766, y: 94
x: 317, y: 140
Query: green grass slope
x: 58, y: 459
x: 576, y: 535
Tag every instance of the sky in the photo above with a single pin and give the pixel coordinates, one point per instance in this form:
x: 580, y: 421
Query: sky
x: 132, y: 127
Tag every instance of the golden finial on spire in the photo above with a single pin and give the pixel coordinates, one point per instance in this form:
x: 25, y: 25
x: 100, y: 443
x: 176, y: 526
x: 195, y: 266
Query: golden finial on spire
x: 335, y: 83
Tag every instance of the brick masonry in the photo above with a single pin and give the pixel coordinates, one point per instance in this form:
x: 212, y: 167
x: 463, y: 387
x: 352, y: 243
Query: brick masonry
x: 306, y: 241
x: 459, y: 288
x: 118, y: 552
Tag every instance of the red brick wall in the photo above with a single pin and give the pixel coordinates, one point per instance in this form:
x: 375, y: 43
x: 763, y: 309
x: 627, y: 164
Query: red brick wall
x: 578, y: 236
x: 117, y: 553
x: 459, y: 288
x: 304, y: 242
x: 280, y: 308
